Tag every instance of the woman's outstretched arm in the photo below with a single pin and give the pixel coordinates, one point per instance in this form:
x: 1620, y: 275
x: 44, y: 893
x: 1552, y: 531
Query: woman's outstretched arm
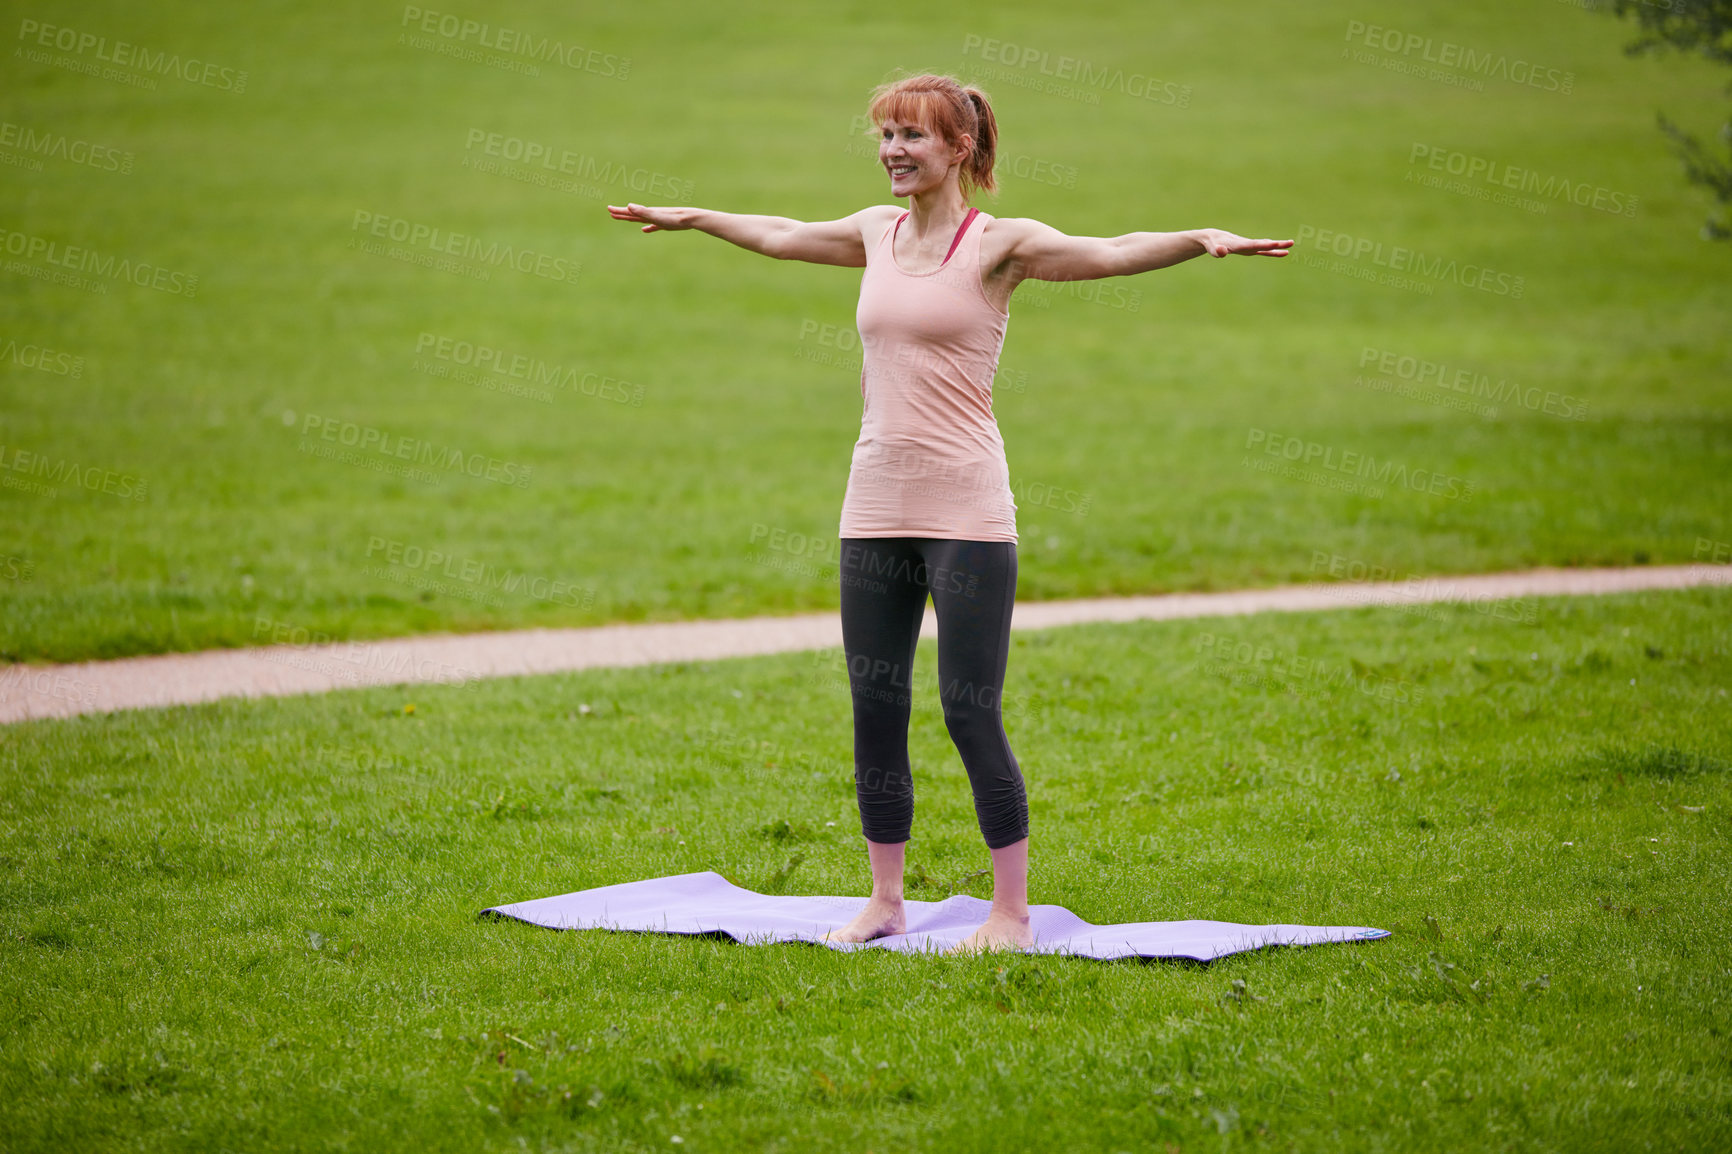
x: 1040, y: 252
x: 838, y: 242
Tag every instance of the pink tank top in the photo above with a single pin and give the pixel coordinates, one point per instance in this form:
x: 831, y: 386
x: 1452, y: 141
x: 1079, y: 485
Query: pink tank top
x: 930, y: 460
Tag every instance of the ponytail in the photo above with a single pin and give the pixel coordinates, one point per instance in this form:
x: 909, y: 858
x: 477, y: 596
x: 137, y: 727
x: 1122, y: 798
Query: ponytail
x: 978, y: 168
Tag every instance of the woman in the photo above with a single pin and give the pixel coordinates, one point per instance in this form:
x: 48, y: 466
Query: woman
x: 928, y: 507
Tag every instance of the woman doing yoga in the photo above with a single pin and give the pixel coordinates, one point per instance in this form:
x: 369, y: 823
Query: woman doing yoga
x: 928, y: 508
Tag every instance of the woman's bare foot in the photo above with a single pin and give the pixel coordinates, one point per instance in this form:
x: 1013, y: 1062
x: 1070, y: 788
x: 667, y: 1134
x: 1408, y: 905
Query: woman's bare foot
x: 998, y: 932
x: 881, y: 918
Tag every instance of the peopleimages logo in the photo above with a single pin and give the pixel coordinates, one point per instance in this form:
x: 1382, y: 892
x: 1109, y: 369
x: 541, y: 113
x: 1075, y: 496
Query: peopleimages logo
x: 88, y: 260
x: 1507, y: 176
x: 1399, y: 259
x: 1026, y: 56
x: 1263, y: 666
x: 443, y: 242
x: 1473, y: 384
x: 24, y: 469
x: 1448, y: 54
x: 356, y: 662
x: 472, y: 571
x: 375, y: 446
x: 78, y: 43
x: 1428, y: 597
x: 43, y: 360
x: 486, y: 360
x: 1355, y: 464
x: 581, y: 166
x: 514, y: 42
x: 58, y: 146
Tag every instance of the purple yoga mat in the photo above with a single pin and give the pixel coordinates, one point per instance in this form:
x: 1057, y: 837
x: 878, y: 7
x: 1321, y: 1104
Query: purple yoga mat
x: 707, y: 902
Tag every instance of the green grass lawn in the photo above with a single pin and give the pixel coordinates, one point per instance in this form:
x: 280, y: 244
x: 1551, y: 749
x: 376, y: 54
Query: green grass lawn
x: 706, y: 399
x: 253, y: 925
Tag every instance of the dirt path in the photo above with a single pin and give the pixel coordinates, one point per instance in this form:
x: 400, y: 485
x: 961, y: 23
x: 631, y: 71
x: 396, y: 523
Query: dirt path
x: 30, y: 691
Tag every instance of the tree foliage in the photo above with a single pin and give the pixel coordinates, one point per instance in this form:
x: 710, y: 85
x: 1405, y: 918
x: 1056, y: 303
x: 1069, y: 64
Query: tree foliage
x: 1702, y: 27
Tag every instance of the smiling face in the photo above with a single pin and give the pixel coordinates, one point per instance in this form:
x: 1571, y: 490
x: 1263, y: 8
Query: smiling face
x: 916, y: 159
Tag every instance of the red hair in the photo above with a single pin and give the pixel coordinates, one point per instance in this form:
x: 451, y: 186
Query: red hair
x: 943, y: 105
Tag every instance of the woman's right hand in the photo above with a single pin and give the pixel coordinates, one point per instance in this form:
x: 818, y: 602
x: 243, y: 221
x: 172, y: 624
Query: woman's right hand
x: 835, y: 242
x: 654, y: 219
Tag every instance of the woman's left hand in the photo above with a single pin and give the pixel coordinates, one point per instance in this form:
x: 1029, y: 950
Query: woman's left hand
x: 1219, y: 243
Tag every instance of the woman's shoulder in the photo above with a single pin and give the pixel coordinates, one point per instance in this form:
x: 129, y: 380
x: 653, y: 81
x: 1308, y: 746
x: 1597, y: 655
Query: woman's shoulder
x: 879, y: 213
x: 875, y: 220
x: 1010, y: 224
x: 1010, y: 229
x: 1001, y: 234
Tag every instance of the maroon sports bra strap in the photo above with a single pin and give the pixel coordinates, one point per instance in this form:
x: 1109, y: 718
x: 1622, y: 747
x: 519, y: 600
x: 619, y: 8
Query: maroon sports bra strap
x: 966, y: 221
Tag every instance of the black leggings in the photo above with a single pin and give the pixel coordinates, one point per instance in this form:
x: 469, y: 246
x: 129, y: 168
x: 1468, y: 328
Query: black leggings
x: 885, y: 582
